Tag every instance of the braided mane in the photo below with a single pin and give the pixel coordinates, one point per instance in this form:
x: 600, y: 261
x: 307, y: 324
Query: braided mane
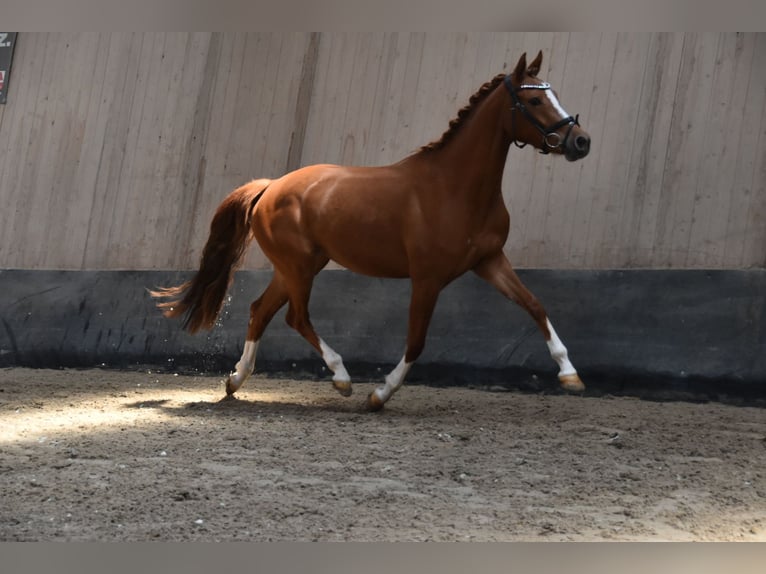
x: 463, y: 113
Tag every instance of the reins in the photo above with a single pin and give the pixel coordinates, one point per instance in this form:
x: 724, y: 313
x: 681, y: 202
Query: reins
x: 547, y: 133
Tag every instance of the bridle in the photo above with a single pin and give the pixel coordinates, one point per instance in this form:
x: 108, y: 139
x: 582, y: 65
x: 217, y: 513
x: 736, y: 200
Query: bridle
x: 548, y: 133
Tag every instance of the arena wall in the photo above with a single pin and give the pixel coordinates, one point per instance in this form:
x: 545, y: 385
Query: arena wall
x: 116, y: 148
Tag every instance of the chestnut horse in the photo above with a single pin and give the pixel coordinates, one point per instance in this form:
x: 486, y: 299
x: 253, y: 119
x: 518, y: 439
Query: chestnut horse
x: 431, y: 217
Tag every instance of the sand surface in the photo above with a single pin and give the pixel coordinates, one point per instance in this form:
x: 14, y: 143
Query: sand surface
x: 105, y: 455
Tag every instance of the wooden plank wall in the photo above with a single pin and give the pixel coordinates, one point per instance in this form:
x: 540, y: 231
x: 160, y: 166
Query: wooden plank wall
x: 116, y: 148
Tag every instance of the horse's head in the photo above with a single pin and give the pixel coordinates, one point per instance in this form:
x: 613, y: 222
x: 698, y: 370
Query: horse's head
x: 536, y: 117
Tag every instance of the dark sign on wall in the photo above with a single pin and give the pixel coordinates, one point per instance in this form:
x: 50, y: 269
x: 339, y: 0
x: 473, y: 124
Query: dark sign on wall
x: 7, y: 42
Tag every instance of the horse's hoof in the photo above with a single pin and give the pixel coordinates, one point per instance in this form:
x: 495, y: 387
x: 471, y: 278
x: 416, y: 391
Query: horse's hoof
x: 343, y: 387
x: 374, y: 403
x: 571, y: 383
x: 230, y: 387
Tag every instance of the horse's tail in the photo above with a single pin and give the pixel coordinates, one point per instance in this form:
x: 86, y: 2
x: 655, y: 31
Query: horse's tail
x: 200, y: 299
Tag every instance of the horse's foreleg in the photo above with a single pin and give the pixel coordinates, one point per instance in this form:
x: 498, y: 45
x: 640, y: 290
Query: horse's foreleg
x: 423, y: 301
x: 497, y: 271
x: 261, y: 312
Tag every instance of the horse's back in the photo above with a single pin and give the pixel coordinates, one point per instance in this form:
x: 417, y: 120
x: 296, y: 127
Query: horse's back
x: 354, y: 215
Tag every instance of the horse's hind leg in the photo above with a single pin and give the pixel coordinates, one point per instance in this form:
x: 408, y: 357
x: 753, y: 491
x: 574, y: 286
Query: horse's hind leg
x: 299, y: 289
x: 422, y: 303
x: 262, y: 311
x: 497, y: 271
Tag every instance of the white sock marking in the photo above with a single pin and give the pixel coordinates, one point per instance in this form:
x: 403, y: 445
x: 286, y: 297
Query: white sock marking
x: 559, y: 353
x: 246, y: 365
x: 394, y: 380
x: 334, y: 362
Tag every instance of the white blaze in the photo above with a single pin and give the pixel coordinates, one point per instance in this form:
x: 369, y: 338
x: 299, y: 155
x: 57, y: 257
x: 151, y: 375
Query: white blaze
x: 556, y: 105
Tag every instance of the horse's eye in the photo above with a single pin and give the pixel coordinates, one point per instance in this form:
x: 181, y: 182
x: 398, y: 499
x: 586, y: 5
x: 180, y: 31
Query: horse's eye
x: 535, y: 101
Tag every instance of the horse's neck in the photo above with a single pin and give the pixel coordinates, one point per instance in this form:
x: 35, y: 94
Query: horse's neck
x: 474, y: 159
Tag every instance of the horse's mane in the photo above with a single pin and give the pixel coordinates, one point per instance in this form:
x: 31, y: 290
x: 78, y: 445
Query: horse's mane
x: 463, y: 113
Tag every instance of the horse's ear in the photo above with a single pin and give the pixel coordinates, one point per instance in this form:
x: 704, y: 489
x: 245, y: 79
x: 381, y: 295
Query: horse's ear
x: 520, y: 69
x: 534, y: 67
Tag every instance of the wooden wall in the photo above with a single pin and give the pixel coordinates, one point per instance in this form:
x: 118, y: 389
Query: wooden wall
x: 116, y: 148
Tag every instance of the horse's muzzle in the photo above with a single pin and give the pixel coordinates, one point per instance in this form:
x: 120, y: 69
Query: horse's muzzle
x: 577, y: 146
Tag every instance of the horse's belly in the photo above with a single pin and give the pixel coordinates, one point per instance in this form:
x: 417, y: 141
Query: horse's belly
x: 370, y: 257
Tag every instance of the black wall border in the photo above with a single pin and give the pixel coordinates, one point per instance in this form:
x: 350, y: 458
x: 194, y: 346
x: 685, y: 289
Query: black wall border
x: 657, y: 333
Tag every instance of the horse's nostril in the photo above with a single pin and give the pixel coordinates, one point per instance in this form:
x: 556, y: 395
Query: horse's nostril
x: 582, y: 143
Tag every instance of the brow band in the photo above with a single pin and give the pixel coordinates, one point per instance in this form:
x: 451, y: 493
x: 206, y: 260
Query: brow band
x: 544, y: 86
